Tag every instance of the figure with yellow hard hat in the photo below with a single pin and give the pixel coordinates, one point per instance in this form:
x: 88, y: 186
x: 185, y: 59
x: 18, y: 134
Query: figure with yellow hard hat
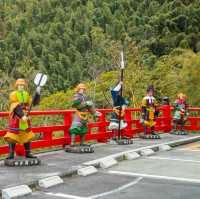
x: 19, y: 122
x: 83, y: 107
x: 149, y: 112
x: 180, y: 114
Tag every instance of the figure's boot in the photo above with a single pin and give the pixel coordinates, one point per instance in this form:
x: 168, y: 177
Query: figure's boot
x: 174, y: 128
x: 115, y: 135
x: 82, y: 141
x: 73, y: 136
x: 152, y: 131
x: 27, y: 147
x: 182, y: 131
x: 145, y: 130
x: 11, y: 151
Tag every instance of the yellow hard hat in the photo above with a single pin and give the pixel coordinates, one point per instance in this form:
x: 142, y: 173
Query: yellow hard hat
x: 20, y: 82
x: 80, y: 86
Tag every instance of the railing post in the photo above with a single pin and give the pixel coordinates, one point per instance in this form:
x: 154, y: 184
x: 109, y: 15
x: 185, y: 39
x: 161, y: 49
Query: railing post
x: 102, y: 127
x: 67, y: 124
x: 128, y: 118
x: 167, y: 118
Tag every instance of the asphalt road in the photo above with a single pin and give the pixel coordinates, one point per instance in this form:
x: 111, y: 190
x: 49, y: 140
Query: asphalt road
x: 60, y: 162
x: 166, y: 175
x: 54, y: 163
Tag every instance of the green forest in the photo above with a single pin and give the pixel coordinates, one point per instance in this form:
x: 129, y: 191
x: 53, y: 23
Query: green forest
x: 76, y: 41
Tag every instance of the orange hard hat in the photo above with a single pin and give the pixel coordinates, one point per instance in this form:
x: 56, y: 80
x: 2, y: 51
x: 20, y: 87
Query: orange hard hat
x: 181, y: 95
x: 80, y: 86
x: 20, y: 82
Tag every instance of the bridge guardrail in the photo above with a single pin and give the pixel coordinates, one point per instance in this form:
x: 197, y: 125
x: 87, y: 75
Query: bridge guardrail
x: 98, y: 129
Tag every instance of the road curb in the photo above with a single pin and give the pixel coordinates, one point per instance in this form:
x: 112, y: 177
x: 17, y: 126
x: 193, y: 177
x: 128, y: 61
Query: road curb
x: 121, y: 156
x: 16, y: 192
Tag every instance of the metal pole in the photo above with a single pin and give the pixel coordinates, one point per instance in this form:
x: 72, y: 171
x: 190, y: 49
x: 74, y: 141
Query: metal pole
x: 121, y: 92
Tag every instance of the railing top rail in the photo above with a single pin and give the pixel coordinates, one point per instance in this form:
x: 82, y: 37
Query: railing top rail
x: 194, y: 108
x: 63, y: 112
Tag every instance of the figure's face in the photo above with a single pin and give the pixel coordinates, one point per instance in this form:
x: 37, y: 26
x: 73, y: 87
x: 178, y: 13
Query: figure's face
x: 150, y: 93
x: 181, y: 97
x: 21, y: 87
x: 81, y: 91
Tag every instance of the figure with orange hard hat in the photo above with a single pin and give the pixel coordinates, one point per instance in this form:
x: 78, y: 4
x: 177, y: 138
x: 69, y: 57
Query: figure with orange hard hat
x: 180, y: 114
x: 19, y: 122
x: 83, y: 107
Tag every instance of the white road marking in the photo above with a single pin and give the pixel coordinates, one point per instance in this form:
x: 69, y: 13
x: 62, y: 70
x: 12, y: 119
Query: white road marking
x: 189, y: 150
x: 190, y: 180
x: 175, y: 159
x: 117, y: 189
x: 61, y: 195
x: 97, y: 195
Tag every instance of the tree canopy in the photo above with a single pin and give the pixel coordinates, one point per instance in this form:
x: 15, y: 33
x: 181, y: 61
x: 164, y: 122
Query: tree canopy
x: 80, y: 40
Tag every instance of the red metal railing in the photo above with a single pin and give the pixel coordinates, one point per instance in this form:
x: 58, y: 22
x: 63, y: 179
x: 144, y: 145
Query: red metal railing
x: 101, y: 133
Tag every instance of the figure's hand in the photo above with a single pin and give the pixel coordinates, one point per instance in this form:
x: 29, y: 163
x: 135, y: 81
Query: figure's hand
x: 98, y: 114
x: 142, y: 121
x: 185, y: 118
x: 123, y: 107
x: 89, y: 103
x: 24, y: 118
x: 38, y: 89
x: 157, y: 113
x: 121, y: 82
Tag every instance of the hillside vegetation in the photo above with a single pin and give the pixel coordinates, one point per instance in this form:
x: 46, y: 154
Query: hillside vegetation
x: 80, y: 40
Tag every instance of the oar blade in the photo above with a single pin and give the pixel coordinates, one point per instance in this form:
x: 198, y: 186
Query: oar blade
x: 40, y: 79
